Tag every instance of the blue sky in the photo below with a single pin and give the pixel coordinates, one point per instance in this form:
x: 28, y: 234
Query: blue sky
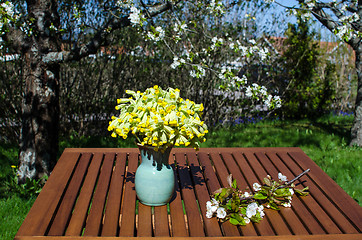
x: 317, y: 26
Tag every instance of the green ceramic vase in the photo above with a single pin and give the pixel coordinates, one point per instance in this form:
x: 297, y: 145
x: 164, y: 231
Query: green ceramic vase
x: 155, y: 179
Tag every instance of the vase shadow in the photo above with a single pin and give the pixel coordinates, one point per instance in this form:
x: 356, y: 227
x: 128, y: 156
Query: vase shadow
x: 189, y: 176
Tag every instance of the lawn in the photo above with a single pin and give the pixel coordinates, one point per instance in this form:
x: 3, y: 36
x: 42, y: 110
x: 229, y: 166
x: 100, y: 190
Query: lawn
x: 324, y: 140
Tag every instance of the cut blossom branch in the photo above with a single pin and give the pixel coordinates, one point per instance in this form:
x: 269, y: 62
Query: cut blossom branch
x: 242, y: 208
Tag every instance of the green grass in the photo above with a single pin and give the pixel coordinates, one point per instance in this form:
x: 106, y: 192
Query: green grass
x: 13, y: 210
x: 325, y: 141
x: 13, y: 207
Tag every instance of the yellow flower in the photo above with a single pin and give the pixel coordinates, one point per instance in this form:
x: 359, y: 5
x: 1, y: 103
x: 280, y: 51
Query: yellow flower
x: 173, y: 123
x: 160, y: 118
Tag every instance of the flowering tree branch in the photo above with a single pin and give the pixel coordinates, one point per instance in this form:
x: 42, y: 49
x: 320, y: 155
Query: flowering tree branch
x: 100, y: 38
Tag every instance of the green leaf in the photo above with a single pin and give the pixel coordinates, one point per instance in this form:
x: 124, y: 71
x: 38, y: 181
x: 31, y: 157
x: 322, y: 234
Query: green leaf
x: 234, y: 221
x: 267, y: 182
x: 274, y: 206
x: 234, y: 184
x: 260, y: 196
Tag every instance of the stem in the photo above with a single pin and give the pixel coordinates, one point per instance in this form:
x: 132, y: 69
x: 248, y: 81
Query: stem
x: 294, y: 179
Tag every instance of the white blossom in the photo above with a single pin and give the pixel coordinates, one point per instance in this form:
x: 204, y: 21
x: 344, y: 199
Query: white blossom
x: 124, y: 3
x: 260, y: 209
x: 248, y: 92
x: 251, y: 209
x: 157, y: 35
x: 161, y: 32
x: 8, y: 8
x: 135, y: 16
x: 192, y: 73
x: 252, y: 41
x: 216, y: 41
x: 244, y: 50
x: 256, y: 187
x: 214, y: 202
x: 211, y: 207
x: 216, y: 7
x: 175, y: 63
x: 255, y: 85
x: 310, y: 3
x: 209, y: 214
x: 287, y: 204
x: 201, y: 70
x: 282, y: 177
x: 267, y: 102
x: 220, y: 212
x: 278, y: 101
x: 291, y: 191
x: 263, y: 53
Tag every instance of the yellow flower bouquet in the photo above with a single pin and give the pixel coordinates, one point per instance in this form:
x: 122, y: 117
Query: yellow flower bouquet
x: 159, y: 118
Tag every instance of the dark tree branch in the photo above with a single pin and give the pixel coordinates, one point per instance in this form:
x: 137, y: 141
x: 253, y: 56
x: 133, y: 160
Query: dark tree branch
x: 100, y: 37
x: 329, y: 22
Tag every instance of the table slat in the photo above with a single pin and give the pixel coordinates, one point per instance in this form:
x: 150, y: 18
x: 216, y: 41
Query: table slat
x: 128, y: 210
x: 213, y: 183
x: 280, y: 228
x: 212, y: 227
x: 111, y: 218
x: 264, y: 227
x: 77, y: 221
x: 178, y: 224
x: 247, y: 230
x: 323, y: 200
x: 191, y: 207
x: 306, y: 216
x: 144, y: 221
x: 41, y: 213
x: 161, y: 222
x: 95, y: 217
x: 291, y: 219
x: 64, y: 211
x: 342, y: 200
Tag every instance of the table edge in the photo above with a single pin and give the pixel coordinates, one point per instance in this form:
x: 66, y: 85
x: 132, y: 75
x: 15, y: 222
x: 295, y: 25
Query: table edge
x: 216, y: 149
x: 285, y: 237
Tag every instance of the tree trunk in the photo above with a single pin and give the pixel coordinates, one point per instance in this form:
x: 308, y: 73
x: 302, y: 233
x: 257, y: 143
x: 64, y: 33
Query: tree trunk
x: 40, y: 105
x: 356, y: 130
x: 40, y: 120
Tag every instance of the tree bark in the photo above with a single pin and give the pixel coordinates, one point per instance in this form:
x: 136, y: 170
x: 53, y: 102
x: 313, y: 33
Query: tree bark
x: 356, y: 130
x: 40, y: 105
x: 40, y: 120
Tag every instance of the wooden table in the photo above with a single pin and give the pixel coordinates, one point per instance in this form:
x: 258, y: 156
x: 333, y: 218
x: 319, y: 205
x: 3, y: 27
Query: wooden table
x: 91, y: 195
